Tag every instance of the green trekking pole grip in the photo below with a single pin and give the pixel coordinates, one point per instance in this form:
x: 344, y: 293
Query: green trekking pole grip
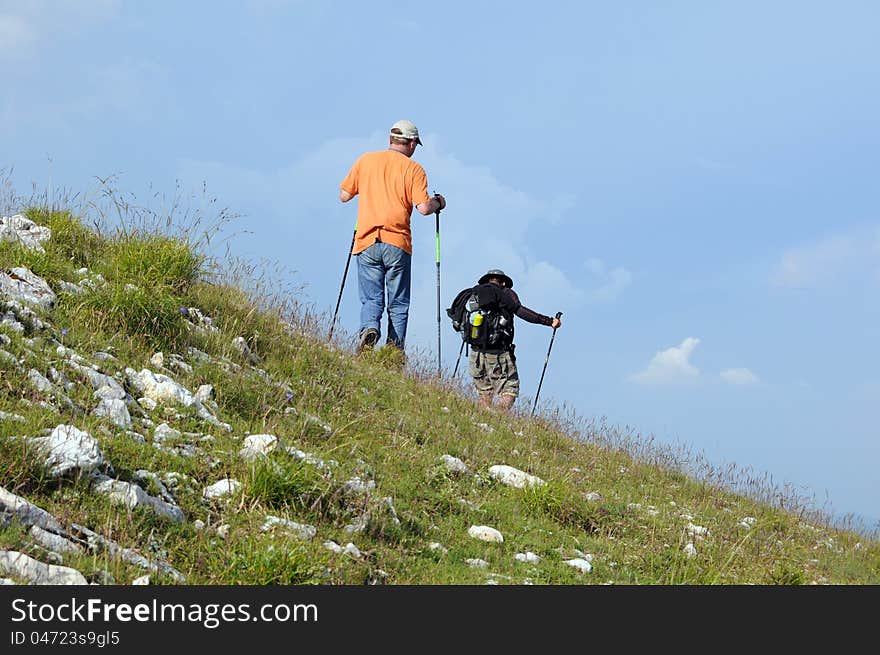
x: 437, y: 223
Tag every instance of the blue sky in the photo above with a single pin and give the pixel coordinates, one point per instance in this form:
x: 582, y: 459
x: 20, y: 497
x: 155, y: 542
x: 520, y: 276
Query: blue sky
x: 694, y: 185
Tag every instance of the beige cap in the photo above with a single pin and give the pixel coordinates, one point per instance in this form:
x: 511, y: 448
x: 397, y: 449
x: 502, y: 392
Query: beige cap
x: 408, y: 130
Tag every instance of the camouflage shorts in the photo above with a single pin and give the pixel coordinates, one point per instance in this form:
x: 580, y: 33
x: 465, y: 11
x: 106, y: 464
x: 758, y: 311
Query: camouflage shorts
x: 494, y: 373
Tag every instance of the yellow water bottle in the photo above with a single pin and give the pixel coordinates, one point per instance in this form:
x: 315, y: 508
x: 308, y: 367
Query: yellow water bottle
x: 476, y: 321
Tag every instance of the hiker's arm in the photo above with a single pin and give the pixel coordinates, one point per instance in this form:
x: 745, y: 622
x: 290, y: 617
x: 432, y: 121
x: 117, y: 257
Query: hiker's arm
x: 531, y: 316
x: 511, y: 301
x: 345, y: 196
x: 433, y: 205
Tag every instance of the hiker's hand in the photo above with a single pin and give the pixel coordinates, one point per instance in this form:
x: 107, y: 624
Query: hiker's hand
x: 440, y: 200
x: 556, y: 323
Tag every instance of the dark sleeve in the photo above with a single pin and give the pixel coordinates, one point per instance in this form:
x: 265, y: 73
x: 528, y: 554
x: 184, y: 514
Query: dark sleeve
x: 512, y: 303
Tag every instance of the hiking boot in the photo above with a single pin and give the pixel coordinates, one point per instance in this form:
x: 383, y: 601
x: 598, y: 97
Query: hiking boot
x: 369, y: 337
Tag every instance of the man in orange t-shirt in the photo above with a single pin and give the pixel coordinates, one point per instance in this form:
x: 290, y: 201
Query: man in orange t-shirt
x: 389, y: 184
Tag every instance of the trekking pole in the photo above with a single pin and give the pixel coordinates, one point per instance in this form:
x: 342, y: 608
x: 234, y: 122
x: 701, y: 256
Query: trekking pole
x: 342, y: 286
x: 463, y: 343
x: 437, y: 214
x: 546, y: 359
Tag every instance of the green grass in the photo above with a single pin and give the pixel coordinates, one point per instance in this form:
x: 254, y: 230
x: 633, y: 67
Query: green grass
x: 609, y: 493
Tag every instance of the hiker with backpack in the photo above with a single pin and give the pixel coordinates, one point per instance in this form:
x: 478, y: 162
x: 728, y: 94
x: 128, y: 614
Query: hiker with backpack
x: 484, y: 316
x: 389, y: 184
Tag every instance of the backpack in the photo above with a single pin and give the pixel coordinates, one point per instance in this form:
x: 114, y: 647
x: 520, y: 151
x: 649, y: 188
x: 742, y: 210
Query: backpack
x: 482, y: 324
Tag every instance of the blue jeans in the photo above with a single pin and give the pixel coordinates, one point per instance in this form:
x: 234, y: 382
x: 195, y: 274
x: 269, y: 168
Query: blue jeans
x: 380, y: 267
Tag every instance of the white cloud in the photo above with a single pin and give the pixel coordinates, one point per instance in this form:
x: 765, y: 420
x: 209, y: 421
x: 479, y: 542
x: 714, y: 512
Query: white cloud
x: 671, y: 365
x: 740, y: 376
x: 547, y: 289
x: 848, y: 256
x: 611, y: 282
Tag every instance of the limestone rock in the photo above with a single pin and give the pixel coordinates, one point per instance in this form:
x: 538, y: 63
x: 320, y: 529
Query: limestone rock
x: 35, y: 572
x: 485, y: 533
x: 69, y: 450
x: 513, y: 477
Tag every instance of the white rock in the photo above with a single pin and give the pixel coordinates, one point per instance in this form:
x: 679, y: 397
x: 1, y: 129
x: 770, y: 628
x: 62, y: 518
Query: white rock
x: 513, y: 477
x: 257, y: 445
x: 748, y: 522
x: 454, y: 464
x: 485, y: 427
x: 223, y: 530
x: 359, y: 524
x: 70, y: 354
x: 136, y: 436
x: 158, y: 360
x: 436, y: 545
x: 593, y: 496
x: 21, y: 566
x: 333, y: 547
x: 40, y: 382
x: 697, y: 531
x: 69, y: 449
x: 164, y: 432
x: 240, y: 344
x: 27, y: 513
x: 221, y: 488
x: 352, y: 550
x: 107, y: 392
x: 147, y: 403
x: 357, y: 486
x: 309, y: 458
x: 581, y: 565
x: 159, y: 387
x: 54, y: 542
x: 291, y: 528
x: 163, y: 389
x: 477, y: 563
x: 20, y: 229
x: 205, y: 393
x: 131, y: 495
x: 115, y: 410
x: 485, y: 533
x: 528, y: 557
x: 690, y: 550
x: 12, y: 417
x: 22, y: 285
x: 143, y: 580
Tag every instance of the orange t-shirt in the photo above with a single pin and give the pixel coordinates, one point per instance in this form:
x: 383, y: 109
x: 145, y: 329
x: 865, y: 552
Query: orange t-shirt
x: 389, y: 184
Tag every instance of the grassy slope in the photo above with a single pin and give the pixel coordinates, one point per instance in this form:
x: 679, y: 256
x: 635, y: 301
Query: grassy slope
x: 387, y: 427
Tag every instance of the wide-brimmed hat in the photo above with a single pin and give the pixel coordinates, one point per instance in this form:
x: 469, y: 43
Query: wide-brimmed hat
x: 496, y: 272
x: 406, y: 130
